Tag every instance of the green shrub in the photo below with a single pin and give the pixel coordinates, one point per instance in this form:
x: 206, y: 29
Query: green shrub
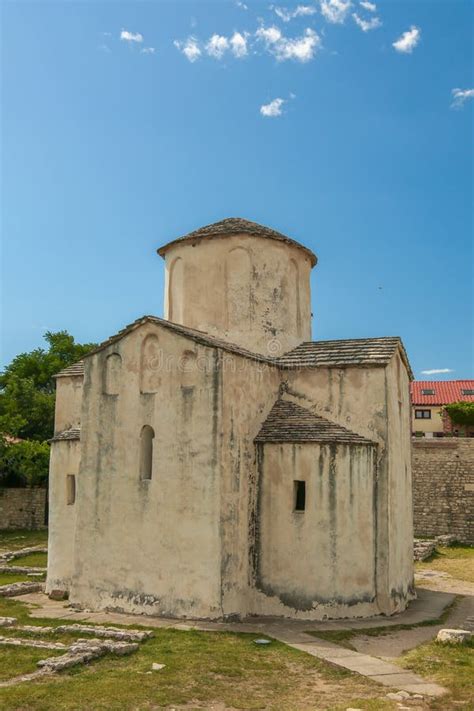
x: 24, y: 463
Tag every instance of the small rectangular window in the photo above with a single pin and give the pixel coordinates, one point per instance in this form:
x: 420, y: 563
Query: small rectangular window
x: 299, y: 495
x: 428, y: 391
x: 70, y: 489
x: 467, y: 391
x: 422, y: 414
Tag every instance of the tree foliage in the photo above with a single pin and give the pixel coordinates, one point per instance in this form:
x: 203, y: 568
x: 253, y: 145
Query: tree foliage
x: 27, y: 386
x: 461, y: 413
x: 24, y: 463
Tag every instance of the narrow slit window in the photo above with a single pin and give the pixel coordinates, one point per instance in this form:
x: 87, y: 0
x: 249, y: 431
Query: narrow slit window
x: 299, y: 495
x: 70, y: 489
x: 146, y: 452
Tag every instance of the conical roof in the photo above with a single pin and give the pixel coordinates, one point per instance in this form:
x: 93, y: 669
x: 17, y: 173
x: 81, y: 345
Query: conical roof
x: 288, y: 422
x: 235, y: 225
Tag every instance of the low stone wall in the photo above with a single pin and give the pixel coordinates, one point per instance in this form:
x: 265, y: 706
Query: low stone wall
x: 443, y: 487
x: 22, y: 508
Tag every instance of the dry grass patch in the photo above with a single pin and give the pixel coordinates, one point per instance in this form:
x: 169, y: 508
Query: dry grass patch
x: 14, y: 540
x: 202, y: 669
x: 451, y: 666
x: 457, y: 561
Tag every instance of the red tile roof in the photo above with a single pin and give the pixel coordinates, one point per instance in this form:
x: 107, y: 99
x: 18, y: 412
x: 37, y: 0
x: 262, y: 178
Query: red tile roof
x: 445, y: 391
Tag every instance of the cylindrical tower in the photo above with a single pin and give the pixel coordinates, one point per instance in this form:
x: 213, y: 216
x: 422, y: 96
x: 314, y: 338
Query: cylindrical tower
x: 241, y: 282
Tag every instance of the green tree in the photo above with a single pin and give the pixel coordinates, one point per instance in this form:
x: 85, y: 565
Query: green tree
x: 27, y: 386
x: 23, y: 463
x: 461, y: 413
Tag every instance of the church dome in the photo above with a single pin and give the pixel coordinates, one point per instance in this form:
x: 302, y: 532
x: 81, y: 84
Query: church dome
x: 235, y: 225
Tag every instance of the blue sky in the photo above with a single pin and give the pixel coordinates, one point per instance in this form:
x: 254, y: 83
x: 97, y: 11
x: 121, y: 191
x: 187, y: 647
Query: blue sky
x: 110, y: 151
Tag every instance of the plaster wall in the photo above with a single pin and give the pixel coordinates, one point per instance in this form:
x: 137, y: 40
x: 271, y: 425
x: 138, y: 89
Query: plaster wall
x: 400, y: 497
x: 65, y: 459
x: 320, y: 560
x: 433, y: 424
x: 248, y: 290
x: 365, y: 400
x: 150, y: 545
x: 249, y: 392
x: 68, y: 403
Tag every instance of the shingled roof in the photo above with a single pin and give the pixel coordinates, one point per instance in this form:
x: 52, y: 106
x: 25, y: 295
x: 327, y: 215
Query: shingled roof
x: 70, y: 434
x: 310, y: 354
x: 235, y: 225
x: 71, y: 370
x: 344, y: 353
x: 288, y: 422
x: 198, y: 336
x: 441, y: 392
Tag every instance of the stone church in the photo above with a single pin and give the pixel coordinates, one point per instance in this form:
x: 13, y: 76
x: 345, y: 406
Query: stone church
x: 218, y: 463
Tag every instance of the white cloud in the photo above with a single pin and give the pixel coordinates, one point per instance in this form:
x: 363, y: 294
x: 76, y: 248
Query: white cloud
x: 335, y: 11
x: 408, y: 40
x: 238, y: 44
x: 131, y: 36
x: 216, y: 46
x: 273, y: 109
x: 366, y: 25
x: 299, y: 11
x: 370, y: 6
x: 105, y: 48
x: 148, y: 50
x: 190, y: 48
x: 242, y: 5
x: 437, y: 371
x: 301, y: 49
x: 269, y: 35
x: 460, y: 96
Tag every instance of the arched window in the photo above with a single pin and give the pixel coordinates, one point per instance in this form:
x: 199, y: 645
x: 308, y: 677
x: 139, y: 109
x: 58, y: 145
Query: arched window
x: 187, y: 365
x: 176, y: 291
x: 151, y: 361
x: 113, y: 367
x: 146, y: 452
x: 294, y: 296
x: 70, y: 489
x: 238, y: 273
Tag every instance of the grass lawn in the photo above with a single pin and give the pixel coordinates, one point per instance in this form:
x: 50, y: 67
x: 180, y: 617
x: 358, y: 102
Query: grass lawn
x: 458, y: 561
x: 21, y: 660
x: 13, y: 540
x: 216, y: 669
x: 202, y: 668
x: 35, y: 560
x: 451, y: 666
x: 8, y: 578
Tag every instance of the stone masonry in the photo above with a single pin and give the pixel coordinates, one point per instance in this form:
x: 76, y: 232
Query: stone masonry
x: 443, y: 487
x: 22, y: 508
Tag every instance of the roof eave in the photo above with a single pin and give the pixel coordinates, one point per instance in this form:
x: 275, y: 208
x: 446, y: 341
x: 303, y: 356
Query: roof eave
x: 161, y: 251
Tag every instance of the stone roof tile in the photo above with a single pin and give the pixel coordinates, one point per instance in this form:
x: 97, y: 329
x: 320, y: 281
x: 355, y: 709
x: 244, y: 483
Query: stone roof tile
x: 288, y: 422
x: 70, y: 434
x: 310, y: 354
x: 71, y: 370
x: 236, y: 225
x: 198, y: 336
x: 344, y: 353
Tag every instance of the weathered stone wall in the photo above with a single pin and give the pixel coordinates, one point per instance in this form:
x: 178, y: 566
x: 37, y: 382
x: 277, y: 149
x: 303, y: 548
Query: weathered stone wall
x: 22, y: 508
x: 443, y: 488
x: 265, y: 287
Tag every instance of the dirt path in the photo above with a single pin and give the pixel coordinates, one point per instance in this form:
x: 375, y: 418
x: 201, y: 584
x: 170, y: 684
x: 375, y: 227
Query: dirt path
x: 393, y: 645
x: 443, y: 582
